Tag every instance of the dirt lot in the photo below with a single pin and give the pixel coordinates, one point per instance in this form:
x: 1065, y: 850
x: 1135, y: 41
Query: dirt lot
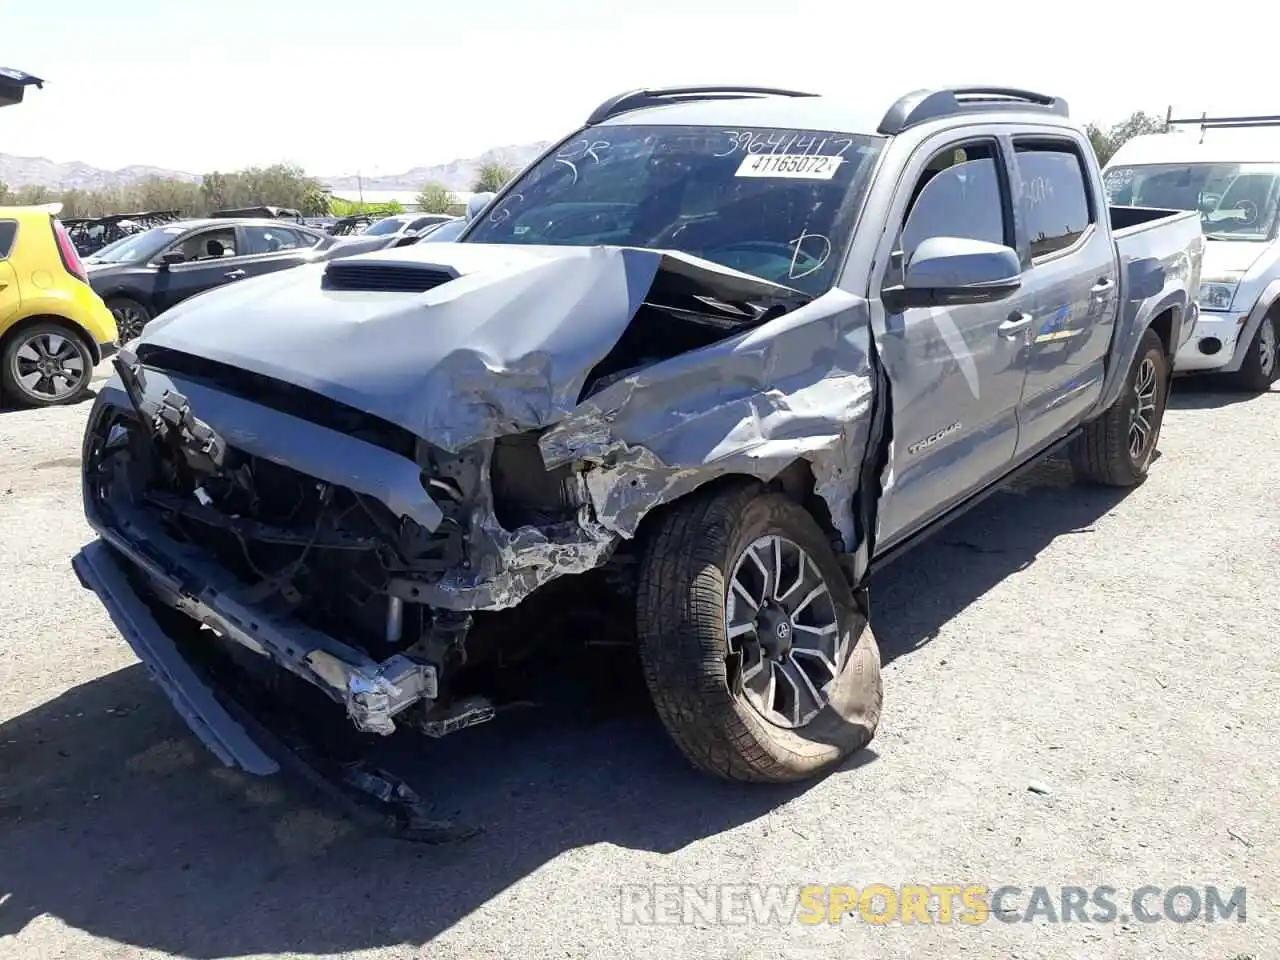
x: 1116, y: 653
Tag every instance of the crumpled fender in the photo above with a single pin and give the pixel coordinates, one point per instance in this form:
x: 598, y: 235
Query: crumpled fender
x: 797, y: 388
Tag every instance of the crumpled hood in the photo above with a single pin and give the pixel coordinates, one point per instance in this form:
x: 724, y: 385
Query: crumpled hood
x: 506, y: 347
x: 1229, y: 258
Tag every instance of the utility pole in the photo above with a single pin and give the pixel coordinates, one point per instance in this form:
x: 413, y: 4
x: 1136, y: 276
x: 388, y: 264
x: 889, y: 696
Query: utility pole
x: 360, y: 187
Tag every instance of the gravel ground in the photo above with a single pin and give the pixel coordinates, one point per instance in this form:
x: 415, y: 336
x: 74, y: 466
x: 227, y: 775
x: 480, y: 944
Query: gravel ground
x: 1115, y: 653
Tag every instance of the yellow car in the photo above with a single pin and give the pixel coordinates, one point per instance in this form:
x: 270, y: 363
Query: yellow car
x: 53, y: 328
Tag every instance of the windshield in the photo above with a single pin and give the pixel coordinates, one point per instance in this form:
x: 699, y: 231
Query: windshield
x: 444, y: 232
x: 383, y: 227
x: 1236, y: 201
x: 777, y: 204
x: 140, y: 246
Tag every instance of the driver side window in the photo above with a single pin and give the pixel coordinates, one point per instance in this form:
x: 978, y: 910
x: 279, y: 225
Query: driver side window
x: 961, y: 193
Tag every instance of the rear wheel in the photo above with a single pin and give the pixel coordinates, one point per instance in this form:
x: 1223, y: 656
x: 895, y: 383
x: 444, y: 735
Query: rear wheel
x: 131, y: 316
x: 1260, y: 368
x: 44, y: 365
x: 758, y: 661
x: 1116, y: 449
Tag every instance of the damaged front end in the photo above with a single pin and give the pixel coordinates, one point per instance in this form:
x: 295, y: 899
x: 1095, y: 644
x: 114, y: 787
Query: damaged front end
x: 359, y: 491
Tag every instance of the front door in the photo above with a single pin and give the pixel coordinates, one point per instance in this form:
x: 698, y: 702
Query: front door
x: 211, y: 260
x: 956, y: 373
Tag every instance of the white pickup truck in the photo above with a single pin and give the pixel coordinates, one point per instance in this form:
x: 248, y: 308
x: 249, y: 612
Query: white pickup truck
x: 1229, y: 172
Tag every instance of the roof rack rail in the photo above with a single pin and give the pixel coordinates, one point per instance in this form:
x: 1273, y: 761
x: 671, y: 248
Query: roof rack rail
x: 920, y: 106
x: 637, y: 99
x: 1204, y: 121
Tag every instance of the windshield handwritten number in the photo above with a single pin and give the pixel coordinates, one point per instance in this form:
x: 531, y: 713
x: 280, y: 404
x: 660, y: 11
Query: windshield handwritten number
x: 503, y: 214
x: 580, y: 150
x: 733, y: 136
x: 796, y: 271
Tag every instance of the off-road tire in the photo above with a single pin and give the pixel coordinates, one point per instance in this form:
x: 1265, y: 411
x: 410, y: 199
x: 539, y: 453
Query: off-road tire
x: 680, y: 611
x: 131, y: 316
x: 11, y: 390
x: 1100, y: 454
x: 1253, y: 376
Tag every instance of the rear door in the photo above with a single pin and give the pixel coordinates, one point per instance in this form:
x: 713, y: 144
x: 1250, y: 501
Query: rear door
x: 1073, y: 284
x: 10, y: 298
x: 269, y: 248
x: 957, y: 372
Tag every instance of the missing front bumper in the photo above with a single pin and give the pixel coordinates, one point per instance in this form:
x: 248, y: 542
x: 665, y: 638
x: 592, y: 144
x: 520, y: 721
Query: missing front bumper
x: 237, y: 735
x: 372, y: 692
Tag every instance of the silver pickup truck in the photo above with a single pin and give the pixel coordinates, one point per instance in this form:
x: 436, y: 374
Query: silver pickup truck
x: 699, y: 368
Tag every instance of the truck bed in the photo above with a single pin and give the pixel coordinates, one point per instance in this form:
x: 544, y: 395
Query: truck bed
x: 1159, y: 251
x: 1128, y: 220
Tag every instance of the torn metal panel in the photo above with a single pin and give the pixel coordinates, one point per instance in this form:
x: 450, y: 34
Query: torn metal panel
x: 797, y: 388
x: 504, y: 567
x: 504, y: 346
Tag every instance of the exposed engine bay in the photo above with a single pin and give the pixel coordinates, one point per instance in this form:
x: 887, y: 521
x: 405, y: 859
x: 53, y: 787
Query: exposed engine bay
x: 392, y: 553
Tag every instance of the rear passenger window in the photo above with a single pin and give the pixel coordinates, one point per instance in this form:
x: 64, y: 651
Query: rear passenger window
x: 8, y: 232
x: 1054, y: 200
x: 958, y: 195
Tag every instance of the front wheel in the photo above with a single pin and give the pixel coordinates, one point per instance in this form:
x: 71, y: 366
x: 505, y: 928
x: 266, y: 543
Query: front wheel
x: 45, y: 365
x: 1116, y: 449
x: 131, y: 316
x: 1260, y: 369
x: 757, y: 659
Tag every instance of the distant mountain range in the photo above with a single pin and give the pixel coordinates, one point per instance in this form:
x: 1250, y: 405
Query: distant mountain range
x: 456, y: 174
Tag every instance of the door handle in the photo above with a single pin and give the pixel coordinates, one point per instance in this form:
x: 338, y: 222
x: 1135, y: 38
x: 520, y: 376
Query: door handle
x: 1104, y: 283
x: 234, y: 275
x: 1016, y: 323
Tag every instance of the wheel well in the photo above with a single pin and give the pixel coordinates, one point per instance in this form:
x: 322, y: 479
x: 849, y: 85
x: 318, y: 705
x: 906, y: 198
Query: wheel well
x: 133, y: 295
x: 74, y: 329
x: 796, y: 482
x: 1163, y: 326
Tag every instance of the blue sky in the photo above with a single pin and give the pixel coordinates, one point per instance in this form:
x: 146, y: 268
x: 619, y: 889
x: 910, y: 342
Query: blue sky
x: 385, y: 85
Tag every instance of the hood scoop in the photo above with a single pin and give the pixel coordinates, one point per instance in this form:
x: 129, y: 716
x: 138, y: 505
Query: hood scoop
x: 385, y: 276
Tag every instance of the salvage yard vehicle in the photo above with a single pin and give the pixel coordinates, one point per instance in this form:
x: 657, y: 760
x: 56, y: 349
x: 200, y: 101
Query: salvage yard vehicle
x: 146, y: 274
x: 261, y: 213
x: 387, y: 233
x: 13, y: 85
x: 1230, y: 175
x: 701, y: 366
x: 53, y: 328
x: 348, y: 226
x: 91, y: 234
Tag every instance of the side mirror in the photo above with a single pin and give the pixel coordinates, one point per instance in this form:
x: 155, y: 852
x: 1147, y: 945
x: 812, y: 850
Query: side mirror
x: 477, y: 203
x: 948, y: 271
x: 172, y: 257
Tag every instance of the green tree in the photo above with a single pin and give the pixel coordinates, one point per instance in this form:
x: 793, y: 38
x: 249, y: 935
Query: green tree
x: 280, y: 185
x: 32, y: 194
x: 434, y: 198
x: 349, y: 208
x: 492, y: 177
x: 1107, y: 142
x: 6, y: 195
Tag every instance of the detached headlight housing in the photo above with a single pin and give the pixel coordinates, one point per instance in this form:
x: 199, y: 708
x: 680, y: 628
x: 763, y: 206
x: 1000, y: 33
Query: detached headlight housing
x: 1217, y: 293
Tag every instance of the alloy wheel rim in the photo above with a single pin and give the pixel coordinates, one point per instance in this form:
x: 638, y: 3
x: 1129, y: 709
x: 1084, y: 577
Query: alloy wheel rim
x: 129, y: 323
x: 1267, y: 346
x: 1143, y: 416
x: 48, y: 366
x: 783, y: 627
